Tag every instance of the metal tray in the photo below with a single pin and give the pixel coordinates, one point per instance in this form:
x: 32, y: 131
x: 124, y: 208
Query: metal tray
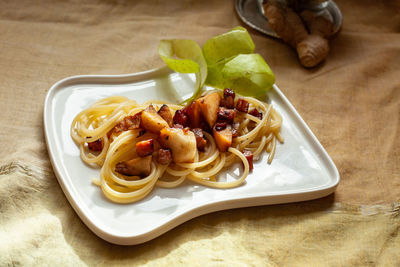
x: 252, y: 13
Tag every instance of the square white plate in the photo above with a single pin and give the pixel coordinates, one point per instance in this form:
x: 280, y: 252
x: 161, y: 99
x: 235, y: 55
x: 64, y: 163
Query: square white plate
x: 301, y: 169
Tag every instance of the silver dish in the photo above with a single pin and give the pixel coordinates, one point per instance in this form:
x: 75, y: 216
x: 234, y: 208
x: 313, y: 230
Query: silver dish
x: 252, y: 13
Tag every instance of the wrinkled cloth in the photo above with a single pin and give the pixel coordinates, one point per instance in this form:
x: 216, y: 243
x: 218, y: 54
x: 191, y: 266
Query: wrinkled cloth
x: 351, y: 102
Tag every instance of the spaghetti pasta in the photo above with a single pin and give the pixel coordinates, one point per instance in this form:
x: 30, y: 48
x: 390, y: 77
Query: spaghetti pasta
x: 99, y: 123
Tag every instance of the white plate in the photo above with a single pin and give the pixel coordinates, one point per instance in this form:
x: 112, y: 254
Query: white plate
x: 301, y: 169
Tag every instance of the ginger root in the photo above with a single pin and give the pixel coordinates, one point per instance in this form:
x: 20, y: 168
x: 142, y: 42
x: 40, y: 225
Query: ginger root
x: 308, y: 33
x: 321, y: 24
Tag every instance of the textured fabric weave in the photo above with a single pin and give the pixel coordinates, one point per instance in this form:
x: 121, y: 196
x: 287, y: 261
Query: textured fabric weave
x: 351, y: 102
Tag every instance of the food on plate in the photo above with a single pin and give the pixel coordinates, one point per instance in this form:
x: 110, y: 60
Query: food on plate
x: 140, y: 146
x: 209, y: 107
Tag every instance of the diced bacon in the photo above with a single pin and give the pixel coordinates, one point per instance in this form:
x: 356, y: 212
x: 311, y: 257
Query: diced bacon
x: 229, y: 93
x: 127, y: 123
x: 229, y: 99
x: 145, y: 148
x: 254, y: 112
x: 96, y: 145
x: 226, y: 115
x: 164, y: 156
x: 201, y: 142
x: 181, y: 118
x: 228, y: 102
x: 242, y: 105
x: 249, y: 156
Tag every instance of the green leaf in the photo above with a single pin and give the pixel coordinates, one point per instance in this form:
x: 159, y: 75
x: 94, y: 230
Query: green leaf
x: 236, y: 41
x: 248, y: 75
x: 225, y: 61
x: 232, y: 64
x: 185, y: 56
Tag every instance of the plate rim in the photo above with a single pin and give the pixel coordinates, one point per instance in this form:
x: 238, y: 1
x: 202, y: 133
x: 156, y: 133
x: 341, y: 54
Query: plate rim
x: 194, y: 211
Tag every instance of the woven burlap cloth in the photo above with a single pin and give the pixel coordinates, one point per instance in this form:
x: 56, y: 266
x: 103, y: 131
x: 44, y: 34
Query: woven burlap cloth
x: 351, y: 103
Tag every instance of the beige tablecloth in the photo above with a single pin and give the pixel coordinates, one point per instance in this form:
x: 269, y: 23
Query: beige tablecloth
x: 351, y: 102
